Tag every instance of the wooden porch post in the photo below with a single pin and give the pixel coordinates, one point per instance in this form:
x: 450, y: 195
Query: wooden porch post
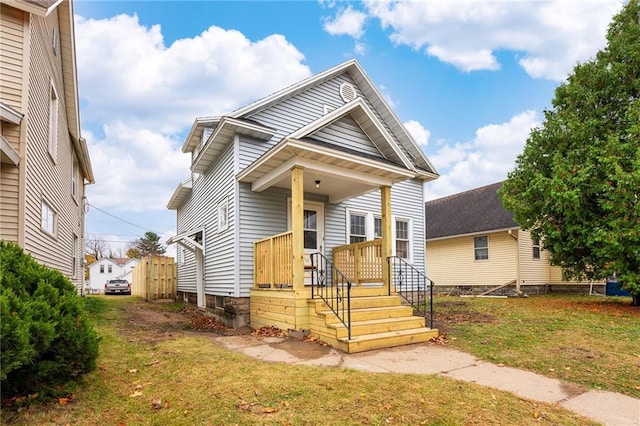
x: 297, y: 225
x: 387, y: 238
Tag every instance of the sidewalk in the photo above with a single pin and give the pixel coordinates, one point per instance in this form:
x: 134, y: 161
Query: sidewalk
x: 608, y: 408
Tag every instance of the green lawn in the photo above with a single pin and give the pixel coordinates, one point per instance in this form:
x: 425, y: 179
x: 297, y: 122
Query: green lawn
x: 164, y: 376
x: 588, y: 340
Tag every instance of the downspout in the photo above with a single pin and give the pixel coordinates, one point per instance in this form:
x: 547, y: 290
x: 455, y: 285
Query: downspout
x: 514, y: 235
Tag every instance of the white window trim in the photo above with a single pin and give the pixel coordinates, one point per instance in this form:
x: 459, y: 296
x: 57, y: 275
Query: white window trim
x: 74, y: 177
x: 49, y: 223
x: 54, y: 107
x: 223, y: 212
x: 366, y: 223
x: 409, y: 221
x: 74, y: 258
x: 533, y: 247
x: 474, y: 248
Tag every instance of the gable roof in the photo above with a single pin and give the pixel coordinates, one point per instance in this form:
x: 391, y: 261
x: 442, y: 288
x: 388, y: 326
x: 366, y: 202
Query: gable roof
x: 469, y: 212
x: 410, y: 149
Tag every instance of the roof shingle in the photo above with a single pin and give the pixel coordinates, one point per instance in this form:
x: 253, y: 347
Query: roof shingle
x: 468, y: 212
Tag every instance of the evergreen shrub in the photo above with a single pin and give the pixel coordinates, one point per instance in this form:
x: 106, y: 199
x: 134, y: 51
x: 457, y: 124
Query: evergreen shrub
x: 46, y: 337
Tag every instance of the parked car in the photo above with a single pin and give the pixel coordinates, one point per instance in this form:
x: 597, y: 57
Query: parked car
x: 117, y: 287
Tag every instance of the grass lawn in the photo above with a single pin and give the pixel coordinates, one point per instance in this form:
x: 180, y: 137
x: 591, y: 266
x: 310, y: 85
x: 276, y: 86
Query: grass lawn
x: 168, y: 376
x: 587, y: 340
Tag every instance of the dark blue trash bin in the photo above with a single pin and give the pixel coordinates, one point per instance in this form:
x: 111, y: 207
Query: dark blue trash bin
x: 613, y: 289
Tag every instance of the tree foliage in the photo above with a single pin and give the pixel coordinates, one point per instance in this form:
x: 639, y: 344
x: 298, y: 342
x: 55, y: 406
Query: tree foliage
x: 149, y: 245
x: 46, y: 336
x: 576, y: 186
x: 133, y: 253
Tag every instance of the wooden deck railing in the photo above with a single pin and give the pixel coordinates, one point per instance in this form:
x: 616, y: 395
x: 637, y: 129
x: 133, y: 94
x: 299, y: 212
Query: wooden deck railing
x: 360, y: 262
x: 273, y: 261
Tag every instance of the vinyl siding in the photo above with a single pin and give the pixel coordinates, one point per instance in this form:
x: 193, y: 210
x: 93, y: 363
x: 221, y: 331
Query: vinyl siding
x: 12, y: 40
x: 46, y: 178
x: 346, y: 132
x: 11, y: 55
x: 201, y: 210
x: 452, y: 261
x: 532, y: 271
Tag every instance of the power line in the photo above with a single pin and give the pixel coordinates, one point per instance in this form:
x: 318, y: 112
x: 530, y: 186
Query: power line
x: 118, y: 218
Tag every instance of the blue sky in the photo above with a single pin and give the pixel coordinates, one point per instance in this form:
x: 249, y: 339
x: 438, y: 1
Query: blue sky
x: 468, y: 78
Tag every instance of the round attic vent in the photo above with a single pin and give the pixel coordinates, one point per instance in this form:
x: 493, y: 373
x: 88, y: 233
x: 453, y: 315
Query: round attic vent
x: 347, y: 92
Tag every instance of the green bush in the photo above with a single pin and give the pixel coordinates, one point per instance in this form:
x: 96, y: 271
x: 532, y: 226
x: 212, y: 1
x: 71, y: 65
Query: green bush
x: 46, y: 336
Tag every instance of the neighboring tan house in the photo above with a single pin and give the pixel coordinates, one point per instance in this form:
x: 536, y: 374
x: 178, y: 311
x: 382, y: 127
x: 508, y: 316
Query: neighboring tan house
x: 109, y: 268
x: 323, y: 166
x: 474, y: 245
x: 45, y: 163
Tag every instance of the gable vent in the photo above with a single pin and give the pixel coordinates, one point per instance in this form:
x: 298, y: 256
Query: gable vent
x: 347, y: 92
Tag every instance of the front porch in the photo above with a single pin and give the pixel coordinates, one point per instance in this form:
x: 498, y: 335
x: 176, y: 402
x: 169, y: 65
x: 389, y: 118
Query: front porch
x: 349, y: 303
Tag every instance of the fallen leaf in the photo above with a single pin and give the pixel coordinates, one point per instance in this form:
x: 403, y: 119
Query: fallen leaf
x: 63, y: 401
x: 156, y: 404
x: 269, y: 410
x: 133, y: 370
x: 136, y: 394
x: 166, y: 404
x: 20, y: 399
x: 501, y: 365
x: 138, y: 387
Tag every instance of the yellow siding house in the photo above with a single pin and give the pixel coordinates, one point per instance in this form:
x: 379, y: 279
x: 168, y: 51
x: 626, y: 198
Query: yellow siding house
x: 474, y: 245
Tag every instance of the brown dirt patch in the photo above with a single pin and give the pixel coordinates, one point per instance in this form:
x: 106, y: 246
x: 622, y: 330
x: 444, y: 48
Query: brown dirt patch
x: 456, y: 314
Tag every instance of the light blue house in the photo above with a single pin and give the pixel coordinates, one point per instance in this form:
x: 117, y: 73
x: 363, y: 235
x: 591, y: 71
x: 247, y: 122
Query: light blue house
x: 319, y: 183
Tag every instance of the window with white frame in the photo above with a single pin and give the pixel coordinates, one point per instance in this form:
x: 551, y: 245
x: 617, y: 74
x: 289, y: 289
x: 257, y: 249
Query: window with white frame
x: 403, y: 239
x: 74, y: 177
x: 481, y: 247
x: 48, y: 219
x: 223, y: 215
x: 74, y: 261
x: 536, y: 248
x: 357, y: 228
x: 53, y: 122
x: 377, y: 227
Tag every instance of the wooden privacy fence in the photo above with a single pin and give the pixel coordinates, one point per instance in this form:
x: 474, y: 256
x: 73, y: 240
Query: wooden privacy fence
x: 154, y: 278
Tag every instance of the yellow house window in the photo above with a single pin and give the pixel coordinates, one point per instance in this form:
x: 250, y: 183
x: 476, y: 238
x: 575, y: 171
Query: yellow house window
x: 481, y: 247
x: 536, y: 249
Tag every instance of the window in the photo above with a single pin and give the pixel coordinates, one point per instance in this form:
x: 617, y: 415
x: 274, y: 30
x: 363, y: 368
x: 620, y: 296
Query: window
x: 53, y: 122
x: 74, y: 262
x: 536, y: 249
x: 357, y: 228
x: 109, y: 268
x: 74, y: 177
x: 48, y: 219
x: 310, y: 229
x: 377, y: 228
x: 223, y: 215
x: 481, y: 248
x: 402, y: 239
x: 55, y: 41
x: 102, y: 269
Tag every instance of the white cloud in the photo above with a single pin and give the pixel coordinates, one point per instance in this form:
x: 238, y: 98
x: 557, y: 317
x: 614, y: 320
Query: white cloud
x: 486, y: 159
x: 549, y: 37
x: 136, y: 169
x: 143, y: 96
x: 419, y: 133
x: 348, y: 22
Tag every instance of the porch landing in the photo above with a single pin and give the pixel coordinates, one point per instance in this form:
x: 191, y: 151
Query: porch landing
x: 376, y: 322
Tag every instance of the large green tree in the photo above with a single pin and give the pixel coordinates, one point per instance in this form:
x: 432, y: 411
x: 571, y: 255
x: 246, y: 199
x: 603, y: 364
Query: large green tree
x: 149, y: 245
x: 576, y: 186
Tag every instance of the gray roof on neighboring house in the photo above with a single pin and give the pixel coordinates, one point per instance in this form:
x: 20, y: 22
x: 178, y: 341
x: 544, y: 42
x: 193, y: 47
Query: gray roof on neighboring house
x: 468, y: 212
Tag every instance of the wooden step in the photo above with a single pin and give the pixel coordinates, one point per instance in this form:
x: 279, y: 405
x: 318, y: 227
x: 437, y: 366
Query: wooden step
x: 385, y: 340
x: 362, y: 302
x: 361, y: 328
x: 364, y: 314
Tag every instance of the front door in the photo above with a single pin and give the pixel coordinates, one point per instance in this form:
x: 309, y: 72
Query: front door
x: 313, y: 230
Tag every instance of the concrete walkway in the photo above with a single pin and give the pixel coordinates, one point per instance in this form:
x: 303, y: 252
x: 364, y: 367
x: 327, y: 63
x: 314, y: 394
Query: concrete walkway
x: 608, y: 408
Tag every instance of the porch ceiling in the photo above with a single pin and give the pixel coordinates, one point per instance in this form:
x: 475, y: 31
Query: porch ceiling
x: 342, y: 174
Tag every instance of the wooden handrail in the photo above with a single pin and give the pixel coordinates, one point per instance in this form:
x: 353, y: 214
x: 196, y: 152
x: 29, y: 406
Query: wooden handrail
x: 360, y: 262
x: 273, y: 261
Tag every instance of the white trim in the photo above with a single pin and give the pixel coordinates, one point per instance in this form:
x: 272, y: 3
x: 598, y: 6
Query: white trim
x: 54, y: 118
x: 319, y: 208
x: 409, y: 221
x: 223, y: 214
x: 9, y: 114
x: 475, y: 258
x: 48, y: 224
x: 357, y: 212
x: 8, y: 152
x: 470, y: 234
